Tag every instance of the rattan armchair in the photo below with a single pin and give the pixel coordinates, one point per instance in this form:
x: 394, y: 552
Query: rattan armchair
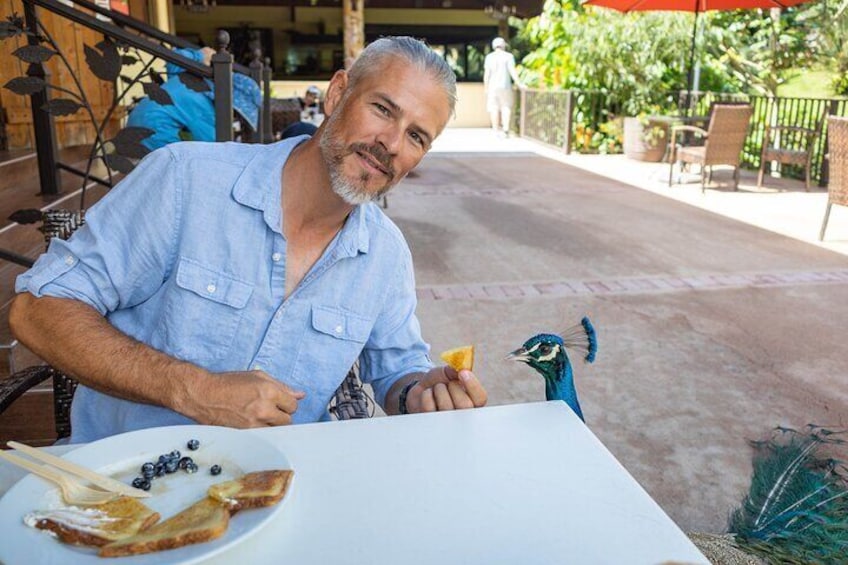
x: 789, y: 145
x: 724, y: 139
x: 837, y: 185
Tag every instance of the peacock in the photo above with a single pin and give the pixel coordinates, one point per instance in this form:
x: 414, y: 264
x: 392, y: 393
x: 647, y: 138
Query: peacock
x: 549, y: 355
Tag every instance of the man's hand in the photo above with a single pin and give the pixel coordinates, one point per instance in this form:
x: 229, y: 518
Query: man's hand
x: 244, y: 399
x: 442, y: 388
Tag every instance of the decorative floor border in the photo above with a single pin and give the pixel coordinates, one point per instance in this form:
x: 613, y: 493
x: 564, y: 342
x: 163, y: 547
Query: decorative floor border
x: 629, y: 285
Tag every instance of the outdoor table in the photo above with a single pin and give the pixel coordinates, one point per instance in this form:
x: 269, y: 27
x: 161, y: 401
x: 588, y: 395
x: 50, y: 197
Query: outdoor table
x: 523, y: 483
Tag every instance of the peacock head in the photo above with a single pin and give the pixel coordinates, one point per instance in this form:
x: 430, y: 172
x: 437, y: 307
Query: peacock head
x: 544, y: 352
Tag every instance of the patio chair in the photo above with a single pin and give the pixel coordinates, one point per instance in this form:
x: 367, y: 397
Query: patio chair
x: 724, y: 139
x: 789, y: 145
x: 837, y: 185
x: 350, y: 401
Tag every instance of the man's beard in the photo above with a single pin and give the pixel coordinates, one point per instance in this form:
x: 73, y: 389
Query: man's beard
x: 334, y: 153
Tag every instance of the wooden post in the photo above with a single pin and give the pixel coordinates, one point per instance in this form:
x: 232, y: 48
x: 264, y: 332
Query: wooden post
x: 522, y: 121
x: 569, y: 121
x: 354, y: 30
x: 222, y: 66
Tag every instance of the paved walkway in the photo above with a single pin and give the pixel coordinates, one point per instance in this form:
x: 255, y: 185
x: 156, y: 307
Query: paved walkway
x: 719, y: 316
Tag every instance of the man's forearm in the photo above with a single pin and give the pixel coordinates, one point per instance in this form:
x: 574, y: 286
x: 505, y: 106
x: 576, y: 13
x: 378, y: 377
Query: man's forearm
x: 76, y: 339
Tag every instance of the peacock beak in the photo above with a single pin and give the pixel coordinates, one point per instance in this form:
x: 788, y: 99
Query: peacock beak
x: 519, y: 354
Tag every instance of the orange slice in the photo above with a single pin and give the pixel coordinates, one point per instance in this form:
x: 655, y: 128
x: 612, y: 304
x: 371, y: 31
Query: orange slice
x: 459, y: 358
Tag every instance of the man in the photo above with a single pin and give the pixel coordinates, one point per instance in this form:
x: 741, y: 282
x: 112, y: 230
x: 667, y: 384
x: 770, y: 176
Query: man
x: 310, y: 103
x: 235, y: 284
x: 498, y: 76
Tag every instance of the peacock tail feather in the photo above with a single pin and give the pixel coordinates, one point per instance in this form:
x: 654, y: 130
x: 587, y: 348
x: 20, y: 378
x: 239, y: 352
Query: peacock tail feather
x: 796, y: 510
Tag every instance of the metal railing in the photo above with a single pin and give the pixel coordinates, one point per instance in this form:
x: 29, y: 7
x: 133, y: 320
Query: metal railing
x: 568, y: 119
x: 138, y: 42
x: 122, y: 59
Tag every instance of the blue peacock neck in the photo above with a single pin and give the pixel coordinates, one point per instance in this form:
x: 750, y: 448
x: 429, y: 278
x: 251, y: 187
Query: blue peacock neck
x: 559, y: 383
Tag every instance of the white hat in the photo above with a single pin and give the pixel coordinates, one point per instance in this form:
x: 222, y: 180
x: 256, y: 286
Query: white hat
x: 498, y: 42
x: 314, y: 90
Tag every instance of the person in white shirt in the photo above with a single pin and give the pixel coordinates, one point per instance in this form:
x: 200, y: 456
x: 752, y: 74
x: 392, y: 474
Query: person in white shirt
x: 498, y: 78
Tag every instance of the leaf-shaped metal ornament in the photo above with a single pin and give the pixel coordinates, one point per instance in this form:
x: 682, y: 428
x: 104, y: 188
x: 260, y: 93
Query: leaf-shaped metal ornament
x: 193, y: 82
x: 33, y: 53
x: 128, y: 60
x: 118, y: 163
x: 61, y: 106
x: 128, y: 142
x: 105, y: 66
x: 156, y: 77
x: 10, y: 28
x: 157, y: 94
x: 26, y: 85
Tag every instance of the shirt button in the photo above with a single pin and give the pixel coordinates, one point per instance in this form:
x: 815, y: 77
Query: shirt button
x: 69, y: 259
x: 211, y: 288
x: 339, y: 329
x: 276, y: 257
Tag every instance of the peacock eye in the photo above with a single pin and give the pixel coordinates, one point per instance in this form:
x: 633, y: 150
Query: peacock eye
x: 545, y: 349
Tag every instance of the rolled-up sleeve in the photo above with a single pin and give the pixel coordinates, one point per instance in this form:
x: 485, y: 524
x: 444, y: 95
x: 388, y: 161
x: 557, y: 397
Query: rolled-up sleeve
x: 124, y: 250
x: 395, y: 347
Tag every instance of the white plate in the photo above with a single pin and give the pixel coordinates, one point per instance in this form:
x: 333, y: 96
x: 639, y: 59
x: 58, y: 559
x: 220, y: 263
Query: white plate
x: 121, y: 457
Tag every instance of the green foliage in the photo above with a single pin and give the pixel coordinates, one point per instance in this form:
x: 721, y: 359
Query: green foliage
x: 641, y: 55
x: 622, y: 56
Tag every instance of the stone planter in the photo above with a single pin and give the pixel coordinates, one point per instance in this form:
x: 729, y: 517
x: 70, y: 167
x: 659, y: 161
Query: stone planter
x: 639, y: 145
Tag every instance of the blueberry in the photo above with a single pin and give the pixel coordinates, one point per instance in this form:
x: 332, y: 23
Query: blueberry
x: 175, y: 454
x: 193, y: 444
x: 147, y: 468
x: 138, y: 481
x: 163, y: 459
x: 191, y: 468
x: 172, y: 465
x: 145, y: 484
x: 159, y: 469
x: 215, y: 470
x: 185, y: 461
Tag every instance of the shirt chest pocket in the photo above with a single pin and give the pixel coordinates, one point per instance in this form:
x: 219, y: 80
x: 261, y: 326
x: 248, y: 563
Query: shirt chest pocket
x: 341, y: 325
x: 205, y: 308
x: 335, y: 340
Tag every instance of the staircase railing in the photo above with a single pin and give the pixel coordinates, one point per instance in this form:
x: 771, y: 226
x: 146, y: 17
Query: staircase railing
x: 123, y: 58
x: 127, y: 42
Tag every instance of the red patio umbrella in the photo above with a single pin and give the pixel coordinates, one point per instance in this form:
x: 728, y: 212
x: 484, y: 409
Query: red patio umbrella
x: 694, y: 6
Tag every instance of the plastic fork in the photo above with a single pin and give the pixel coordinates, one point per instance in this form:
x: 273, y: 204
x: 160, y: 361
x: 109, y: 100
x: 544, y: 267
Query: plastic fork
x: 73, y: 492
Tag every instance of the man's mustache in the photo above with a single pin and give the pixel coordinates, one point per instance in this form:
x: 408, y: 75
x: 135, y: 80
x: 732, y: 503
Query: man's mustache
x: 380, y: 155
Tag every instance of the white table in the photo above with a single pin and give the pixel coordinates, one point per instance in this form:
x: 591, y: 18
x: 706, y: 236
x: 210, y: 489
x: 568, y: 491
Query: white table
x: 519, y: 484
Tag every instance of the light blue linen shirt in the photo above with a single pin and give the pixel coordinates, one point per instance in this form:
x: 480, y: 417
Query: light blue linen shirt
x: 187, y: 255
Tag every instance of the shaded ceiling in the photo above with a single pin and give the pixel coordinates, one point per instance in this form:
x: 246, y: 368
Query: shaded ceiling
x: 523, y: 8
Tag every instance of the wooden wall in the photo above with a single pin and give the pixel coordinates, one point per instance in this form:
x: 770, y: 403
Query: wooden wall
x: 71, y: 130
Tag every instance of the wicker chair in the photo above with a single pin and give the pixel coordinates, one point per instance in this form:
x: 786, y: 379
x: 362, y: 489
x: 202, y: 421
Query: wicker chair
x: 350, y: 401
x: 789, y: 145
x: 837, y: 185
x: 724, y: 139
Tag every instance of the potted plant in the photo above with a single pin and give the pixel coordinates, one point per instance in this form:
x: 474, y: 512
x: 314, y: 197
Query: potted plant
x: 646, y: 134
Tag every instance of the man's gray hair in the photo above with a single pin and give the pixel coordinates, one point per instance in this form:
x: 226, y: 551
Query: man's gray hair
x: 416, y: 52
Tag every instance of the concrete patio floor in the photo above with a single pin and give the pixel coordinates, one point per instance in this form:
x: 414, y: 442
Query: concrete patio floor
x: 719, y: 315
